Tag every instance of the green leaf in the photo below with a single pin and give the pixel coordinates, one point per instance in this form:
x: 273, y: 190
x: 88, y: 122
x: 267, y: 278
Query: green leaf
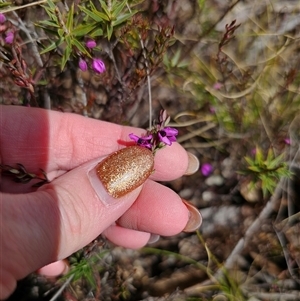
x: 90, y: 277
x: 51, y: 5
x: 105, y: 8
x: 50, y: 14
x: 201, y: 4
x: 167, y: 61
x: 65, y: 57
x: 100, y: 14
x: 176, y: 57
x: 97, y: 33
x: 68, y: 41
x: 254, y: 168
x: 258, y: 155
x: 52, y: 46
x: 82, y: 30
x: 50, y: 31
x: 249, y: 160
x: 92, y: 15
x: 117, y: 10
x: 60, y: 32
x: 109, y: 31
x: 4, y: 4
x: 80, y: 47
x: 48, y: 23
x: 122, y: 19
x: 276, y: 162
x: 69, y: 24
x: 183, y: 64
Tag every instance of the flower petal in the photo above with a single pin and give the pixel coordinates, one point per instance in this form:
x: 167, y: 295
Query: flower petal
x: 98, y: 66
x: 2, y: 18
x: 172, y: 138
x: 9, y: 37
x: 90, y: 44
x: 148, y: 137
x: 82, y: 64
x: 164, y: 138
x: 171, y: 131
x: 206, y: 169
x: 134, y: 137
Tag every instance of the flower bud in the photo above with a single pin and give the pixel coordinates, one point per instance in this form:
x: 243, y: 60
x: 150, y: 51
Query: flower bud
x: 9, y: 37
x: 90, y: 44
x: 206, y: 169
x: 2, y: 18
x: 98, y: 65
x: 82, y: 64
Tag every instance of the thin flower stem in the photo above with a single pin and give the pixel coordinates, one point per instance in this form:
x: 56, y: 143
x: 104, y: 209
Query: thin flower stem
x: 33, y: 44
x: 283, y: 242
x: 112, y: 57
x: 61, y: 21
x: 47, y: 100
x: 148, y: 76
x: 253, y: 228
x: 59, y: 292
x: 83, y: 96
x: 14, y: 8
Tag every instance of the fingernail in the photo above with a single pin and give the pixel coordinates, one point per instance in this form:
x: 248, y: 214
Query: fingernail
x: 125, y: 170
x: 195, y: 218
x: 153, y: 238
x: 193, y: 164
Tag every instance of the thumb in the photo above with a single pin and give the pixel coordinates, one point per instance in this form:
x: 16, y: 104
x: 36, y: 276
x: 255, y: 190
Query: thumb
x: 94, y: 195
x: 65, y: 215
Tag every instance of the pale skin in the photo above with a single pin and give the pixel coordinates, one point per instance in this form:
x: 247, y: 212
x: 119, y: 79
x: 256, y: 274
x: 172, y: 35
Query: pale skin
x: 40, y: 226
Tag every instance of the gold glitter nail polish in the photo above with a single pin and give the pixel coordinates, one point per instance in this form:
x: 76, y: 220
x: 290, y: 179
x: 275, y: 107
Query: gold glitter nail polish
x: 195, y: 218
x: 125, y: 170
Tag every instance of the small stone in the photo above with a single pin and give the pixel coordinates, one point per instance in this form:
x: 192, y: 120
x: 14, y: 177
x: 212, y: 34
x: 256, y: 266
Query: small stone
x: 214, y: 180
x: 207, y: 196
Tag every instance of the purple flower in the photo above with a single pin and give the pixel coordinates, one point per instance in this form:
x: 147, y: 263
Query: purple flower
x: 2, y: 18
x: 142, y: 141
x: 9, y: 37
x: 253, y: 151
x: 167, y: 135
x: 82, y: 64
x: 90, y: 44
x: 98, y: 65
x: 217, y: 86
x: 287, y: 141
x: 206, y: 169
x: 212, y: 109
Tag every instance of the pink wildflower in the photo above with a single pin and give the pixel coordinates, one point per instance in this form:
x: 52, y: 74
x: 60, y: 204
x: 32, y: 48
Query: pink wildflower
x: 9, y: 37
x: 2, y: 18
x: 90, y: 44
x: 98, y: 65
x: 82, y: 64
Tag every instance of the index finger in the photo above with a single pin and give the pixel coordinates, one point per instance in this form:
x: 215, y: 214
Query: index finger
x: 55, y: 141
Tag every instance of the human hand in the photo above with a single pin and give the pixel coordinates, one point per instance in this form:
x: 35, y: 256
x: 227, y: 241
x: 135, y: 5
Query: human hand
x: 40, y: 226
